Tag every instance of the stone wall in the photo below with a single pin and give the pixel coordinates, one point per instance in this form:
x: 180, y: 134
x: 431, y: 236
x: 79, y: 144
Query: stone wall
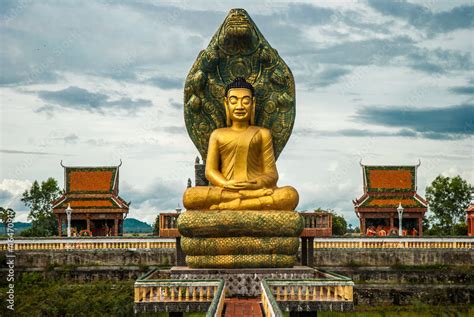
x: 90, y: 264
x: 382, y: 276
x: 391, y: 257
x: 117, y: 257
x: 404, y: 276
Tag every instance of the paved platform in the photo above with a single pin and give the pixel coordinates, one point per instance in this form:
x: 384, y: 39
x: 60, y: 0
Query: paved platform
x: 243, y: 307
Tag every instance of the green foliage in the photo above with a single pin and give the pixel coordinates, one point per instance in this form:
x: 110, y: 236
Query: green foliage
x: 6, y: 214
x: 448, y: 199
x: 156, y: 226
x: 38, y: 296
x: 39, y: 199
x: 339, y: 225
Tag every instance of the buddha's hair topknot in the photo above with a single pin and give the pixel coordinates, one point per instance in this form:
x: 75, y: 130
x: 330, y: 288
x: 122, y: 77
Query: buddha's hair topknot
x: 239, y: 82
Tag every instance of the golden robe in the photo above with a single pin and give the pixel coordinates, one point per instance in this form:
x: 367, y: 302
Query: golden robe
x: 245, y: 157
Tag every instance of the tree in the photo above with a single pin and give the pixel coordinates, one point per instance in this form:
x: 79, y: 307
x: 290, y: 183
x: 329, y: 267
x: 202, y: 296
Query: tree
x: 39, y: 199
x: 156, y: 226
x: 339, y: 225
x: 5, y: 215
x: 448, y: 199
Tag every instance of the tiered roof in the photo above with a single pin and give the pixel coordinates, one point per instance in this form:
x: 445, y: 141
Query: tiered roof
x: 385, y: 187
x: 91, y: 189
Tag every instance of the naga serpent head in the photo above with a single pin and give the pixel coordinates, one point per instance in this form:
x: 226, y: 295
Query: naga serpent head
x: 238, y: 33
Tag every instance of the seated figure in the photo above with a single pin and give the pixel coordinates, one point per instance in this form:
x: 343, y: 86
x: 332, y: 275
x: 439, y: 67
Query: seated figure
x: 240, y: 162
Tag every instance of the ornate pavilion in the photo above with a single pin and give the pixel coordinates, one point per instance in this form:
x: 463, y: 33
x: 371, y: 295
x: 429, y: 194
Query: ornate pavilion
x: 92, y: 193
x: 386, y: 188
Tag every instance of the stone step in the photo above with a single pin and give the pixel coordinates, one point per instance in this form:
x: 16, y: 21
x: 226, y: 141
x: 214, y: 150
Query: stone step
x: 243, y: 307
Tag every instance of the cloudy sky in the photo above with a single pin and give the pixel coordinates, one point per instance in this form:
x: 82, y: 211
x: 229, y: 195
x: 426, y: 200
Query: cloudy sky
x: 94, y: 82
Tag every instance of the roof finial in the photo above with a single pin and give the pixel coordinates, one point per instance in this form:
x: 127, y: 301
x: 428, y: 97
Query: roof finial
x: 360, y: 162
x: 197, y: 160
x: 419, y: 163
x: 62, y: 164
x: 120, y: 163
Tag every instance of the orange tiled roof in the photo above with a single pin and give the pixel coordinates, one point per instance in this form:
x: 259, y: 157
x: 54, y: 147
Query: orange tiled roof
x: 91, y: 188
x: 390, y: 179
x: 406, y: 202
x: 91, y: 203
x: 385, y: 187
x: 90, y: 179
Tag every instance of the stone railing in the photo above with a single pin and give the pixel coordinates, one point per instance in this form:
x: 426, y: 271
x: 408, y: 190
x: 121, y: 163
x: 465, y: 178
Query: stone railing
x: 394, y: 243
x: 89, y: 244
x: 179, y: 295
x: 311, y: 290
x: 85, y: 243
x: 269, y: 304
x: 329, y: 291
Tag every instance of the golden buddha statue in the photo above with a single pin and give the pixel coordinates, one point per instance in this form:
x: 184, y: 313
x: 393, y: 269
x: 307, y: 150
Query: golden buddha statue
x: 239, y: 110
x: 241, y: 162
x: 243, y: 219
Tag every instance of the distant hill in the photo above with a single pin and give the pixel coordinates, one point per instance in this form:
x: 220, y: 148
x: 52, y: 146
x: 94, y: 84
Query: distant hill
x: 132, y: 225
x: 19, y: 227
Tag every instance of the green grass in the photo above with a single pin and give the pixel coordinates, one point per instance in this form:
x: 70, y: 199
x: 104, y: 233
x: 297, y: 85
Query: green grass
x: 35, y: 296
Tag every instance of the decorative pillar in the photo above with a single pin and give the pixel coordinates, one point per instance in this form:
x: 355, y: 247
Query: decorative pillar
x: 68, y: 214
x: 362, y: 225
x: 420, y: 226
x: 310, y: 251
x: 391, y: 222
x: 60, y: 226
x: 471, y: 232
x: 115, y: 227
x: 400, y: 217
x: 88, y: 221
x: 304, y: 251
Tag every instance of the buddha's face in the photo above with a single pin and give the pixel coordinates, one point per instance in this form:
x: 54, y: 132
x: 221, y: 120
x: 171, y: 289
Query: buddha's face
x: 240, y: 103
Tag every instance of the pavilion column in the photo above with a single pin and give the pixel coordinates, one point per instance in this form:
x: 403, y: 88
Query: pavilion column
x: 304, y: 251
x: 420, y: 226
x: 362, y: 225
x: 116, y: 223
x: 471, y: 232
x: 88, y: 221
x: 60, y: 226
x: 310, y: 251
x: 391, y: 222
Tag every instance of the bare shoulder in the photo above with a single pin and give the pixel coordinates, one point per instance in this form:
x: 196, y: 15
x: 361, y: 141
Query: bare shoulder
x: 218, y: 132
x: 266, y: 134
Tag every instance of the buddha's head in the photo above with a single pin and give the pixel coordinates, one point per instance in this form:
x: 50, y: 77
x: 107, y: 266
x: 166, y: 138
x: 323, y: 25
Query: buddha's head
x: 240, y: 102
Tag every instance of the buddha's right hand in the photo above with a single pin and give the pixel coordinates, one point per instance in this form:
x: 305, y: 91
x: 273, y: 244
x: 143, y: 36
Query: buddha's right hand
x: 238, y: 185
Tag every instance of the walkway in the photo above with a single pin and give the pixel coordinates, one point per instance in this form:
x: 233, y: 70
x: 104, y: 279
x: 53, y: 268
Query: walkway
x: 243, y: 307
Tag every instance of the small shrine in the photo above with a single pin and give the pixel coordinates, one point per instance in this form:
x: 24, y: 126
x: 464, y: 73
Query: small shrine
x: 390, y: 196
x: 92, y: 194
